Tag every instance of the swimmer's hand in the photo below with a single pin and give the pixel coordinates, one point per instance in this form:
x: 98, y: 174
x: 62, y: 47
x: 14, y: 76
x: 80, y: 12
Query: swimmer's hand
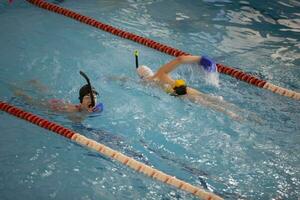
x: 208, y: 64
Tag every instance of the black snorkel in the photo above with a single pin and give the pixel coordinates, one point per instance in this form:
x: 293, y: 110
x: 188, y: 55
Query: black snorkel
x: 90, y: 88
x: 136, y: 54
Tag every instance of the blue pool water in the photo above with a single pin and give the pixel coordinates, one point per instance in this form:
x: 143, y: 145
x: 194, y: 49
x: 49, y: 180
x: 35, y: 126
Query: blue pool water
x: 236, y: 160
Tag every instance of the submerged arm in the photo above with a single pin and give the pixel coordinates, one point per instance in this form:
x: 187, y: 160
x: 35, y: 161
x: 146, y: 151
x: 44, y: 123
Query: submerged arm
x: 213, y: 103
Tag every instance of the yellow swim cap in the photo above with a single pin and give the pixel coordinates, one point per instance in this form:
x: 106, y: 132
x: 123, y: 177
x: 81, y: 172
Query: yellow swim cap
x: 179, y: 83
x: 179, y: 87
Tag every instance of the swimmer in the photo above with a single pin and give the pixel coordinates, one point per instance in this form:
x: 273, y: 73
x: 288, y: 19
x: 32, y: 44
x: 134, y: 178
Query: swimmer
x: 85, y: 104
x: 87, y: 97
x: 179, y: 87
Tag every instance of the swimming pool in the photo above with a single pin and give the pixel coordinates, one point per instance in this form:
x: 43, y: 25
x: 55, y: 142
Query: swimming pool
x: 247, y: 160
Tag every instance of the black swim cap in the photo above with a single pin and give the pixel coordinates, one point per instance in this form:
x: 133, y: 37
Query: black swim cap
x: 85, y: 90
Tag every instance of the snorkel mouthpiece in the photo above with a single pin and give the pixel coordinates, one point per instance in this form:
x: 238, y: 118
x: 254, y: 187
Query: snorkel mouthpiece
x: 90, y: 89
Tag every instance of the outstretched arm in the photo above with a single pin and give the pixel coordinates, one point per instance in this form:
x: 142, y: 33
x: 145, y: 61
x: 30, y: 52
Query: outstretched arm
x: 214, y: 103
x: 167, y: 68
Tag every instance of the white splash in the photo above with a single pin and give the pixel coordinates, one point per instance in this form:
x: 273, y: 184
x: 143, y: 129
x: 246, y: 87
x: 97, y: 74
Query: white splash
x: 212, y: 78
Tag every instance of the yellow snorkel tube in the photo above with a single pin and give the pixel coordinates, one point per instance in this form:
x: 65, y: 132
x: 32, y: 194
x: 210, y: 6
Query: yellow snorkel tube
x: 136, y: 55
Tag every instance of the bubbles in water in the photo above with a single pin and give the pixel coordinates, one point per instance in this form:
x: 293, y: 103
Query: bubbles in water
x: 212, y: 78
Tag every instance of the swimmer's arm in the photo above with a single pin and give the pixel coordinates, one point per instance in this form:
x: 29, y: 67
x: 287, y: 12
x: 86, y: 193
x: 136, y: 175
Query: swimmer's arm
x: 30, y: 100
x: 59, y: 106
x: 167, y: 68
x: 218, y: 108
x: 213, y: 103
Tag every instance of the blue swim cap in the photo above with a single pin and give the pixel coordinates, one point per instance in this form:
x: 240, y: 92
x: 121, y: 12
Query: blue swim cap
x: 208, y: 64
x: 98, y: 108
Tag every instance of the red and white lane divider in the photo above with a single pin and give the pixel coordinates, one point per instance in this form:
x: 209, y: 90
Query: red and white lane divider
x: 163, y: 48
x: 118, y: 156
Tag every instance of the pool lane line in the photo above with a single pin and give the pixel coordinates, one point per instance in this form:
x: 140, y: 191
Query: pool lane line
x: 240, y: 75
x: 113, y: 154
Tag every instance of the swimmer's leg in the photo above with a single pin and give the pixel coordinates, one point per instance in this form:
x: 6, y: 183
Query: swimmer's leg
x: 23, y: 96
x: 26, y: 98
x: 38, y: 85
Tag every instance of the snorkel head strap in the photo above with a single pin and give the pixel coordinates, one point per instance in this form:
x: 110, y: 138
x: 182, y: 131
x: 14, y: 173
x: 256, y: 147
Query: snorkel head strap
x: 179, y: 87
x: 90, y: 89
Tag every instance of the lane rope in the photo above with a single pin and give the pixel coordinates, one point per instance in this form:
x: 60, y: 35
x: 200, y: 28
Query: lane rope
x: 113, y: 154
x: 240, y: 75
